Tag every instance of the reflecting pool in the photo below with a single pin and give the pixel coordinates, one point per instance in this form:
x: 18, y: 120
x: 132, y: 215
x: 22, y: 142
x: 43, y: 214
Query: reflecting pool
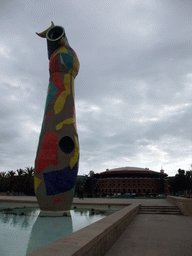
x: 23, y: 231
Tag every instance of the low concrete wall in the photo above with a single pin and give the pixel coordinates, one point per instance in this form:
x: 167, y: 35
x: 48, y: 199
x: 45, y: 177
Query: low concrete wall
x: 93, y: 240
x: 185, y: 204
x: 107, y: 204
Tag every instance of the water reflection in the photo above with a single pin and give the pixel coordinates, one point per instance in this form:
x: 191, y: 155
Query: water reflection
x: 15, y: 227
x: 17, y: 217
x: 23, y: 231
x: 47, y: 230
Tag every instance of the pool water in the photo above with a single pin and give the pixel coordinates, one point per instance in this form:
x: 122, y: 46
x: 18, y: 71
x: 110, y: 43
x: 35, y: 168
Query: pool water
x: 22, y: 231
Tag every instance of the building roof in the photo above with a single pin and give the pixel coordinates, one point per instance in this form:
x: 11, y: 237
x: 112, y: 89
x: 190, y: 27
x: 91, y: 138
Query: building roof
x: 128, y: 168
x: 130, y: 171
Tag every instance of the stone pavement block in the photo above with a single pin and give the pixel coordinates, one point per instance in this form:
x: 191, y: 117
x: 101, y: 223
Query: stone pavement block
x: 151, y: 235
x: 184, y: 247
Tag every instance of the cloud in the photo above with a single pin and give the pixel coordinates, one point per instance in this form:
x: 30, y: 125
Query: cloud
x: 133, y: 91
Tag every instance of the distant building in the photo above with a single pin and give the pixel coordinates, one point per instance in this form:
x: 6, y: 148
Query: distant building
x: 131, y: 180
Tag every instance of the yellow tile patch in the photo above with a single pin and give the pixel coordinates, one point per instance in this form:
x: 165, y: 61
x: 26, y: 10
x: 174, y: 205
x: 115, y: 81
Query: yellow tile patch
x: 74, y: 158
x: 60, y: 102
x: 37, y: 182
x: 66, y: 121
x: 62, y: 49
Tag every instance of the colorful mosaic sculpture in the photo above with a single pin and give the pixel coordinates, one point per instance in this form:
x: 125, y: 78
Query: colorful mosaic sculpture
x: 56, y: 163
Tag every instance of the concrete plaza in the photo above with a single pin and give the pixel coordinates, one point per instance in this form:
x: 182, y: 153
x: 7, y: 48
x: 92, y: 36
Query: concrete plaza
x: 147, y: 234
x: 155, y: 235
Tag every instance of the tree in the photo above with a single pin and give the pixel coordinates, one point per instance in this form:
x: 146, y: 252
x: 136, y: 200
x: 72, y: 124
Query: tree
x: 2, y: 174
x: 19, y: 180
x: 22, y: 182
x: 189, y: 181
x: 11, y: 180
x: 29, y: 172
x: 90, y: 184
x: 20, y: 172
x: 79, y: 185
x: 180, y: 182
x: 3, y: 182
x: 28, y: 186
x: 11, y: 174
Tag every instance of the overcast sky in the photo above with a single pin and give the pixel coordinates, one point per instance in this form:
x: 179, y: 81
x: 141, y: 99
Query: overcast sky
x: 133, y: 92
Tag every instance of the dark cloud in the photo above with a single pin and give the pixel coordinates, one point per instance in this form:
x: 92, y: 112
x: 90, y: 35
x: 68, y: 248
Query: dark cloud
x: 133, y: 91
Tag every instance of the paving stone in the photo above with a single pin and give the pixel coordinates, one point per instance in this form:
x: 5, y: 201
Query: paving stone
x: 151, y: 235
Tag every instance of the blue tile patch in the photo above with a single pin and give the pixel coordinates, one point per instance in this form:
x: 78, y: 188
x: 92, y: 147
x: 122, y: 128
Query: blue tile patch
x: 60, y: 181
x: 67, y: 59
x: 52, y: 91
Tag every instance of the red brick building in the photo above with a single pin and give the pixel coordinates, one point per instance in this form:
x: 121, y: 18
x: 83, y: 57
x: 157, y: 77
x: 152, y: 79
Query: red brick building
x: 131, y: 180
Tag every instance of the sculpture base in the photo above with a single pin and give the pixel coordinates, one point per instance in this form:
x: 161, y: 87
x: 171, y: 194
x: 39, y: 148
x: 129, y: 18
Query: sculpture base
x: 55, y: 214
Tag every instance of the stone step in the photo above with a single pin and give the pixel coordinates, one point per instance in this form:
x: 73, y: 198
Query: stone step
x: 163, y: 210
x: 159, y: 206
x: 172, y: 210
x: 159, y: 209
x: 165, y: 213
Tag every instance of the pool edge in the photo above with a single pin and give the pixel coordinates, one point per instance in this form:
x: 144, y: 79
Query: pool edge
x: 93, y: 240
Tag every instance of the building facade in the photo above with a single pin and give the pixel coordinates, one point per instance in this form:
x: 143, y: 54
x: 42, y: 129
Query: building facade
x: 131, y: 180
